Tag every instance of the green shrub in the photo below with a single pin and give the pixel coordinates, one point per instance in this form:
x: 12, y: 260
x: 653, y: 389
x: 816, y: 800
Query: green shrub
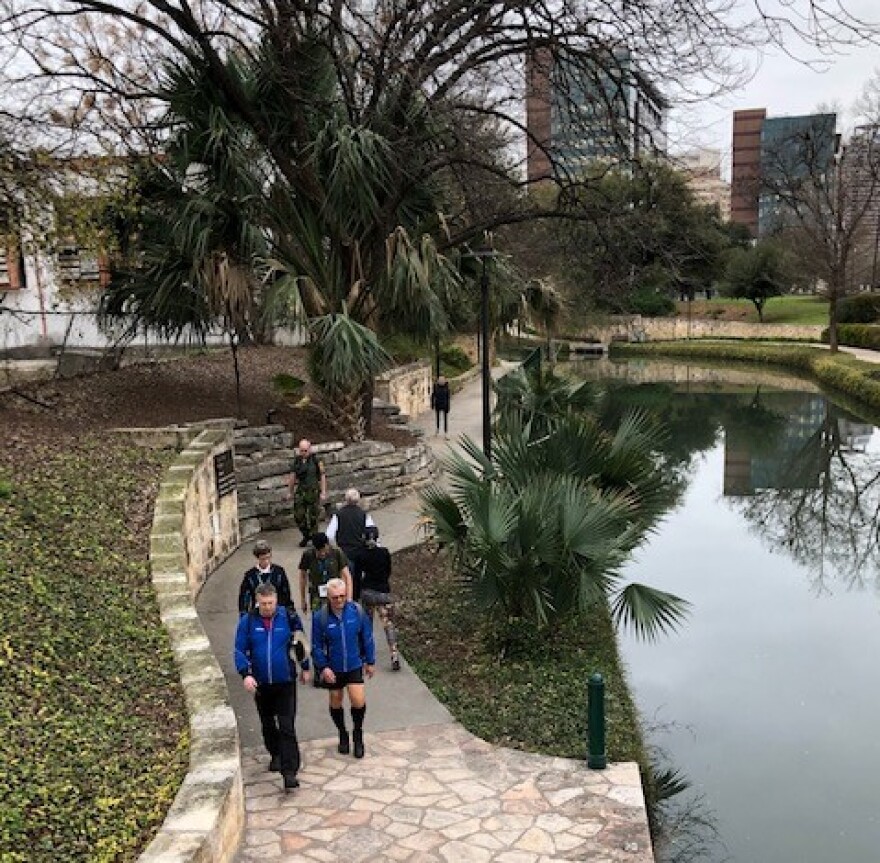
x: 454, y: 356
x: 5, y: 488
x: 651, y: 303
x: 856, y: 336
x: 403, y: 348
x: 859, y: 309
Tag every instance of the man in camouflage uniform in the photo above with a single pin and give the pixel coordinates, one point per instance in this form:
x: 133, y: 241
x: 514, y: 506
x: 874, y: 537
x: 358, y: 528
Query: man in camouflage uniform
x: 308, y: 488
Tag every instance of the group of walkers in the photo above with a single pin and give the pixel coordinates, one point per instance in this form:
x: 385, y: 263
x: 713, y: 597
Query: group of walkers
x: 344, y: 580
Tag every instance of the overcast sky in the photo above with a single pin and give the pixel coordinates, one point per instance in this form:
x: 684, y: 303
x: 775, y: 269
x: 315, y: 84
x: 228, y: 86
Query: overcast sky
x: 784, y: 86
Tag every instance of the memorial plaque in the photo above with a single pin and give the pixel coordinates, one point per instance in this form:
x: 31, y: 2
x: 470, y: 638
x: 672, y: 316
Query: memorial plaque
x: 224, y: 473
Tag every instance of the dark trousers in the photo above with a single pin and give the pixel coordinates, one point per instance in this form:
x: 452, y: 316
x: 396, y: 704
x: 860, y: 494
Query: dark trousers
x: 445, y: 415
x: 276, y: 704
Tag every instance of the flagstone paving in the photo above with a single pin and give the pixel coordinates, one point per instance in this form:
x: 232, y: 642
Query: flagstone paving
x: 427, y: 790
x: 437, y: 794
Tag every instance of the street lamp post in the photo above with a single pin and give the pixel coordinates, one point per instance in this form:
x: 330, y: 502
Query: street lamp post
x: 484, y: 333
x: 483, y: 254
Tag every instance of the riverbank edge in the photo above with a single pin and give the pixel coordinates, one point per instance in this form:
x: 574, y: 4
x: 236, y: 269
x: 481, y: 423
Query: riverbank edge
x: 853, y: 381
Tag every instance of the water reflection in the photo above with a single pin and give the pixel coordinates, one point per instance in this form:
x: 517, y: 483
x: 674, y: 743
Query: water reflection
x: 768, y: 691
x: 815, y: 493
x: 798, y: 468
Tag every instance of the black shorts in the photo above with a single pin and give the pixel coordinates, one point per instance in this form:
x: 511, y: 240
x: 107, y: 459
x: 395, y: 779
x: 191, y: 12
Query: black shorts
x: 344, y: 678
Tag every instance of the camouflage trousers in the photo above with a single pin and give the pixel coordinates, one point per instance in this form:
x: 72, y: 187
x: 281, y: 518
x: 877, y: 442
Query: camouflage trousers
x: 305, y: 508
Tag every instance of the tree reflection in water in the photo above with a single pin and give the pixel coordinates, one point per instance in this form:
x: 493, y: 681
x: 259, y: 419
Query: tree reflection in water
x: 816, y: 495
x: 683, y: 825
x: 796, y: 466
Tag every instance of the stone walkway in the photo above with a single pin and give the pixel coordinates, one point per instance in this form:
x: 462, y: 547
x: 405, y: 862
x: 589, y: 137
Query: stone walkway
x: 437, y: 794
x: 427, y: 790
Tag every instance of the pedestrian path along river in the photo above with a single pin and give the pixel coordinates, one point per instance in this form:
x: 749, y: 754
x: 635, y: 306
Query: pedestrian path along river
x: 427, y: 791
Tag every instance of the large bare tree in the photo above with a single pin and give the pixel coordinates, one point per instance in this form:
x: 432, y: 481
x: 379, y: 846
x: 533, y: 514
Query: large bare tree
x: 822, y: 195
x: 381, y: 135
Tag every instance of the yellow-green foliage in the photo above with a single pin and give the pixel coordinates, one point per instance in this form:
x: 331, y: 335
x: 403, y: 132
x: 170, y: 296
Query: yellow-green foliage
x: 94, y: 739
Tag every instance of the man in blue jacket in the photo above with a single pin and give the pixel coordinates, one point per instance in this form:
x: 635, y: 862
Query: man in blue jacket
x: 344, y: 651
x: 265, y: 643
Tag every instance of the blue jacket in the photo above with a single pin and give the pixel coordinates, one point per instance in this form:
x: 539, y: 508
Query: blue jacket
x: 264, y: 652
x: 343, y: 643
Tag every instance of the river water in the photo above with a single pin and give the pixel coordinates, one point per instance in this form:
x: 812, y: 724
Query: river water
x: 767, y: 699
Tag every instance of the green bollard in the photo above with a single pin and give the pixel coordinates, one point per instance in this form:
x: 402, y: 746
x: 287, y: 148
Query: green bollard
x: 596, y: 759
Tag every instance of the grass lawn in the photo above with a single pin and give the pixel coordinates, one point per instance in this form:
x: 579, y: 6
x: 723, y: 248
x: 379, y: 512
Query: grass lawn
x: 777, y: 310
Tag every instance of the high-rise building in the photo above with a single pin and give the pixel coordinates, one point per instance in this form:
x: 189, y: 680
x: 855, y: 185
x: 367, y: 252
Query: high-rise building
x: 860, y: 176
x: 793, y: 149
x: 578, y: 113
x: 745, y: 175
x: 702, y: 170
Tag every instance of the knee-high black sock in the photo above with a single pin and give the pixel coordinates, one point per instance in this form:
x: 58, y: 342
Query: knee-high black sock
x: 338, y: 716
x: 357, y: 717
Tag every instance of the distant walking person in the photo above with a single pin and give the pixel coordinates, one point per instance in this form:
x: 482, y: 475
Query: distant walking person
x: 264, y: 572
x: 440, y: 399
x: 265, y: 647
x: 376, y: 590
x: 308, y: 487
x: 344, y: 651
x: 347, y: 529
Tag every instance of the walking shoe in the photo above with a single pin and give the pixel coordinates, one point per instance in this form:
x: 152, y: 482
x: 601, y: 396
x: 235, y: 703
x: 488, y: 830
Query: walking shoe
x: 275, y: 764
x: 358, y: 744
x: 344, y: 744
x: 290, y: 782
x: 395, y: 664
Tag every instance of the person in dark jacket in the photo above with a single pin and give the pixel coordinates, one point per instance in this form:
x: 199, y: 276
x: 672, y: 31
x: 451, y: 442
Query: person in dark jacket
x: 376, y: 589
x: 265, y: 647
x: 347, y: 529
x: 440, y: 401
x: 318, y: 565
x: 344, y: 652
x: 264, y: 572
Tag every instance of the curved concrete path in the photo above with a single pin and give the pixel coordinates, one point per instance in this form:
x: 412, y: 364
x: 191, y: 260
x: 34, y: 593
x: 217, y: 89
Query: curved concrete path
x: 427, y: 790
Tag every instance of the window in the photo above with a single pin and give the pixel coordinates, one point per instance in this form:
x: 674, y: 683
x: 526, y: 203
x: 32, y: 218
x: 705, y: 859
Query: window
x: 11, y: 275
x: 76, y: 264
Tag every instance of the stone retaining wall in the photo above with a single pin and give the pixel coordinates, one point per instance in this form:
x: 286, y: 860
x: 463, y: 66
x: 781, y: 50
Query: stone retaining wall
x: 379, y: 470
x: 408, y: 387
x: 636, y: 328
x: 192, y: 532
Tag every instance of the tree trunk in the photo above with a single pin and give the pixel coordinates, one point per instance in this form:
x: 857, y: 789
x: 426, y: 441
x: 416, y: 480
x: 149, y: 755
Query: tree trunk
x: 832, y: 319
x: 233, y: 343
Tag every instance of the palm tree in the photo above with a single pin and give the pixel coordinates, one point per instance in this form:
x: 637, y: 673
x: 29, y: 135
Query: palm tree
x: 307, y: 222
x: 542, y: 529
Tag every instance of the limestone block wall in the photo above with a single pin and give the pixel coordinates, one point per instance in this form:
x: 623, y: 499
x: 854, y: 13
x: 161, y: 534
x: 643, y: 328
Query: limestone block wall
x: 408, y: 387
x: 263, y: 456
x: 191, y: 533
x: 635, y: 328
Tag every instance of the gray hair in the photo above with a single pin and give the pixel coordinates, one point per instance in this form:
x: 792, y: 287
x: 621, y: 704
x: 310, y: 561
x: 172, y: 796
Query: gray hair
x: 261, y: 547
x: 266, y: 589
x: 337, y: 584
x: 352, y: 495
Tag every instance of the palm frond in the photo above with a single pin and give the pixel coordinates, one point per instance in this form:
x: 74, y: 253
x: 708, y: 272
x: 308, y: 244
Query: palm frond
x: 648, y: 611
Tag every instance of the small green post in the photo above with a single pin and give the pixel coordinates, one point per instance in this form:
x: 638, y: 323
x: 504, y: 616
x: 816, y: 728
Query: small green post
x: 596, y: 759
